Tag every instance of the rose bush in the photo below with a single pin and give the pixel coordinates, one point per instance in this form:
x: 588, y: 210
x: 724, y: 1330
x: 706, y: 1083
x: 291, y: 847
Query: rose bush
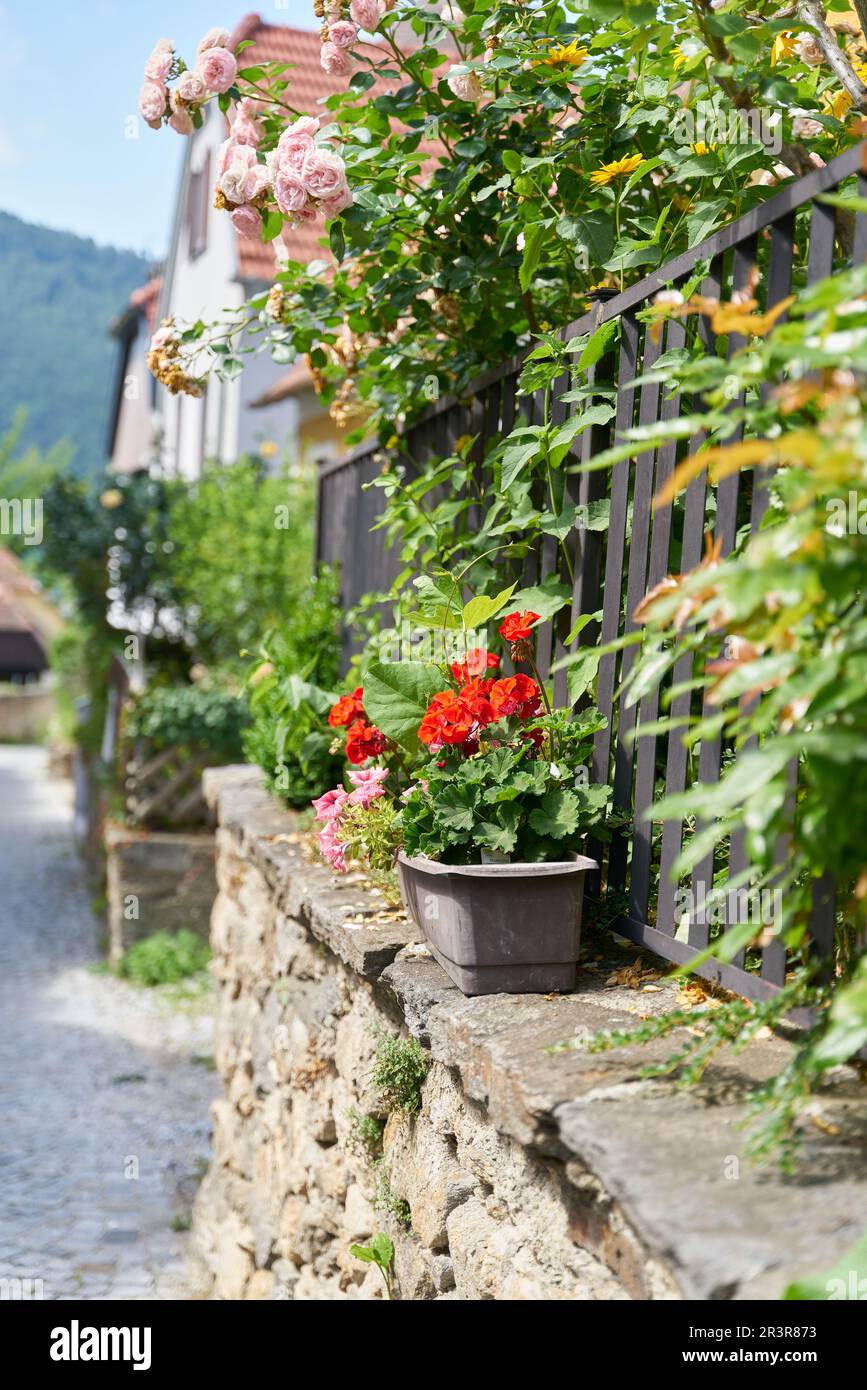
x: 519, y: 157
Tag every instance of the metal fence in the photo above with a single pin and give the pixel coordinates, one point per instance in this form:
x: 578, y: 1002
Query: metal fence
x: 795, y: 239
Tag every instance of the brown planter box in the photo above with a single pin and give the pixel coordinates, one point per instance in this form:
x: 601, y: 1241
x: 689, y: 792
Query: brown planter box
x: 499, y: 928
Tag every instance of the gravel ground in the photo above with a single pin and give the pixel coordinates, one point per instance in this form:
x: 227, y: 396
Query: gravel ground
x: 104, y: 1087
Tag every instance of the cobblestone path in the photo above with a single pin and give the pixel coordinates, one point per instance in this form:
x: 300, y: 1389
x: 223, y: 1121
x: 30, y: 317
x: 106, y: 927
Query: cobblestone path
x: 104, y: 1086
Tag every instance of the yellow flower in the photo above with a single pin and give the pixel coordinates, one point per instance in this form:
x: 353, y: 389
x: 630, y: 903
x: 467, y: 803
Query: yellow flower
x: 616, y: 169
x: 701, y: 148
x: 111, y: 498
x: 570, y: 55
x: 783, y: 47
x: 269, y: 448
x: 836, y: 104
x: 687, y: 52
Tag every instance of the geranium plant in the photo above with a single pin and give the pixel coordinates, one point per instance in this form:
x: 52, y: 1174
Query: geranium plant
x: 479, y: 767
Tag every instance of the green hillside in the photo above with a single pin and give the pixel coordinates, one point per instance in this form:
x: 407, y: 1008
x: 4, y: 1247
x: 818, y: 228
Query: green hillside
x: 59, y: 294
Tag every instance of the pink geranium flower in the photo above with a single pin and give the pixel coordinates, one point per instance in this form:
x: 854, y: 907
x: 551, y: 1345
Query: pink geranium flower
x: 331, y: 804
x: 367, y: 783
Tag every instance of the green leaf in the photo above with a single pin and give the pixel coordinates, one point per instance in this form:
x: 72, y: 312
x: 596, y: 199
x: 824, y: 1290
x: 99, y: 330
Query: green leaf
x: 364, y: 1253
x: 515, y: 459
x: 556, y: 815
x: 545, y: 599
x: 383, y: 1250
x: 501, y: 838
x: 846, y: 1033
x: 456, y: 807
x: 581, y: 674
x: 511, y: 161
x: 337, y: 240
x: 481, y: 609
x: 592, y: 232
x: 534, y: 236
x: 272, y: 224
x: 396, y: 697
x: 601, y: 341
x: 705, y: 219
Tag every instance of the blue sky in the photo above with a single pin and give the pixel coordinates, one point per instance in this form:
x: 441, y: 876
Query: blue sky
x: 69, y: 80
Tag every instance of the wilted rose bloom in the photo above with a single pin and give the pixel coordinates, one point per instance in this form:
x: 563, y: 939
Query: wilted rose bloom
x: 464, y: 85
x: 367, y: 14
x: 247, y: 222
x: 191, y: 87
x: 152, y: 101
x: 180, y: 120
x: 289, y: 191
x: 334, y: 60
x: 243, y: 178
x: 343, y: 34
x: 808, y: 50
x: 324, y: 174
x: 164, y: 335
x: 215, y: 38
x: 158, y: 65
x: 805, y: 128
x: 333, y: 207
x: 217, y: 69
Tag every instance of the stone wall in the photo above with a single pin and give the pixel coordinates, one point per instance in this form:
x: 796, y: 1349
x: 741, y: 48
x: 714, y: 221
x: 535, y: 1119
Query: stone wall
x: 26, y: 712
x: 524, y: 1174
x: 157, y: 881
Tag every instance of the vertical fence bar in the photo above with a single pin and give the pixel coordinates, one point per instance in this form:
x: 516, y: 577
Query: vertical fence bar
x: 636, y: 585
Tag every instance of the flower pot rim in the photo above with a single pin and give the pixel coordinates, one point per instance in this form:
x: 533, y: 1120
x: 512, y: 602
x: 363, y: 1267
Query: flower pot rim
x: 575, y: 864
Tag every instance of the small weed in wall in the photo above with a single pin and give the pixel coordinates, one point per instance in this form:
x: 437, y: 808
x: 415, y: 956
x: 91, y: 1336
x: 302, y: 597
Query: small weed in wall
x: 364, y: 1138
x: 379, y: 1252
x: 399, y: 1071
x: 386, y: 1199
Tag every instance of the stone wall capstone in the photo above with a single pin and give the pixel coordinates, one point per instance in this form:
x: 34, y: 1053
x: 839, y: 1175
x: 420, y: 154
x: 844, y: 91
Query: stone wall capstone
x: 523, y: 1174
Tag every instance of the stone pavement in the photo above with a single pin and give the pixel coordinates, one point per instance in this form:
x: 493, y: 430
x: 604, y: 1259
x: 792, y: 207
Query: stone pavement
x: 104, y: 1086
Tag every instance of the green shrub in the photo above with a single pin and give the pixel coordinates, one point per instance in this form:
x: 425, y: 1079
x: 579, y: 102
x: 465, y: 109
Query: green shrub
x: 192, y: 716
x: 164, y: 958
x: 399, y: 1071
x: 291, y: 691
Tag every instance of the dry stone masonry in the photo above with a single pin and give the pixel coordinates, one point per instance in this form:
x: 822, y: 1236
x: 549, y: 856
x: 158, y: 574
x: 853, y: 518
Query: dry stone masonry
x: 523, y: 1174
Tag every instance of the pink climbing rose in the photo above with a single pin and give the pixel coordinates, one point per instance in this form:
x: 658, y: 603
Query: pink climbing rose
x: 334, y: 60
x: 217, y: 68
x: 247, y: 222
x: 342, y: 34
x: 367, y: 14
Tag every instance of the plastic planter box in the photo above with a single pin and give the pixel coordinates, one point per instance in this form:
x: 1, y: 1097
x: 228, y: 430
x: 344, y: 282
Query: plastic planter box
x: 499, y: 928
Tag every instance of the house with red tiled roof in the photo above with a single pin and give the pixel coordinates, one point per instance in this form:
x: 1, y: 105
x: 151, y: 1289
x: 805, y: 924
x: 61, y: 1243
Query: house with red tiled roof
x: 211, y: 268
x: 133, y: 418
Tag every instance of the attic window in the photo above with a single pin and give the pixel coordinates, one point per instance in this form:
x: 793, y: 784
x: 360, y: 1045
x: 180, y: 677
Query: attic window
x: 198, y: 206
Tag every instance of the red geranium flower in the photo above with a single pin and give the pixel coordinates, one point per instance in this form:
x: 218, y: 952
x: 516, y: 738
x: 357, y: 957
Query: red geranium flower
x: 363, y: 741
x: 477, y: 661
x: 348, y: 709
x: 515, y: 695
x: 515, y: 627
